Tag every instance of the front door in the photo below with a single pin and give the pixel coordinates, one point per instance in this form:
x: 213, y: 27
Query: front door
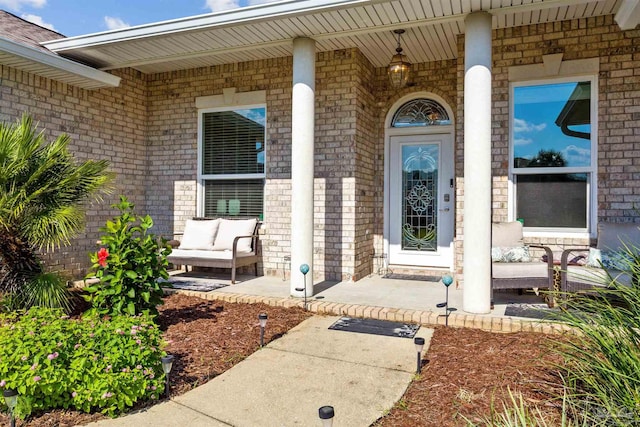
x: 421, y: 200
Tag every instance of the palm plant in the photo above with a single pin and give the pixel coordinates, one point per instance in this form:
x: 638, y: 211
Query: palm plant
x: 42, y: 194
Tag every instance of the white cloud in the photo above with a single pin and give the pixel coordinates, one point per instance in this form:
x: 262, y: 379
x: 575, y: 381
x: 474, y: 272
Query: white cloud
x: 522, y: 141
x: 520, y: 125
x: 114, y: 23
x: 19, y: 4
x: 218, y: 5
x: 577, y: 156
x: 255, y: 2
x: 37, y: 20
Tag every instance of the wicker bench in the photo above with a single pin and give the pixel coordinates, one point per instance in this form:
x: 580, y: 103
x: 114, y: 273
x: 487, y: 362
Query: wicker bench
x: 221, y: 243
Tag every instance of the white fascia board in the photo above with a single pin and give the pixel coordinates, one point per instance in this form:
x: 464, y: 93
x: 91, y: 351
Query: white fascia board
x: 269, y: 11
x: 628, y: 15
x: 59, y: 63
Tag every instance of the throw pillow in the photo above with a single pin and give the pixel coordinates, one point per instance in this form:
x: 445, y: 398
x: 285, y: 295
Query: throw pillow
x: 232, y: 228
x: 199, y: 235
x: 610, y: 260
x: 512, y: 254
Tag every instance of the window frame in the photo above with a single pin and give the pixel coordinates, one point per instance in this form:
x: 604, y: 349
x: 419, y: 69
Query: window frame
x: 201, y: 177
x: 592, y: 170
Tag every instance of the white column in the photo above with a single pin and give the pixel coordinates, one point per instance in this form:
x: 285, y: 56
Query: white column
x: 477, y: 163
x: 302, y: 140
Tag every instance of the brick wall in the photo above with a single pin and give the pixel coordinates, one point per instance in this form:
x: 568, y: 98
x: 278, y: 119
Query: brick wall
x: 172, y: 139
x: 366, y: 168
x: 103, y: 124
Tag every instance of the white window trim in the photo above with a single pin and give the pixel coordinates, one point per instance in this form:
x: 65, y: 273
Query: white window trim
x: 592, y: 187
x: 227, y: 102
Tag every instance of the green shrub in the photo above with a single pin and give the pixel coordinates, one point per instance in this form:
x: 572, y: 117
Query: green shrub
x: 87, y: 364
x: 128, y: 266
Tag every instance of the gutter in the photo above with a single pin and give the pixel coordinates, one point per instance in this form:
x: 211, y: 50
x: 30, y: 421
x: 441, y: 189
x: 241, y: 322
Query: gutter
x: 94, y: 78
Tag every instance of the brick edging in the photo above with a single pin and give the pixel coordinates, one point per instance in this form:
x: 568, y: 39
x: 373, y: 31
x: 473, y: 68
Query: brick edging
x: 425, y: 318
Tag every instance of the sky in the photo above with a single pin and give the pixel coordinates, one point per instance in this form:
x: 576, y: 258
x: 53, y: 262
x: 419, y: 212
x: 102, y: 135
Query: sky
x: 78, y: 17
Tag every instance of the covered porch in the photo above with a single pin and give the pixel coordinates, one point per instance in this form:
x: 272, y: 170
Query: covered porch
x: 318, y: 69
x: 377, y: 297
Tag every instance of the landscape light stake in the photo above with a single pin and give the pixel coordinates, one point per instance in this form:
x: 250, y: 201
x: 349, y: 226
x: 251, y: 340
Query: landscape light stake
x: 304, y: 269
x: 326, y: 414
x: 167, y: 363
x: 419, y: 342
x: 11, y: 399
x: 446, y: 281
x: 262, y: 318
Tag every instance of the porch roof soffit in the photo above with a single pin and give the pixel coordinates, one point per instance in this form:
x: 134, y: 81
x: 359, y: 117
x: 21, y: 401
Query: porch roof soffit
x: 46, y: 64
x: 267, y: 30
x: 628, y: 15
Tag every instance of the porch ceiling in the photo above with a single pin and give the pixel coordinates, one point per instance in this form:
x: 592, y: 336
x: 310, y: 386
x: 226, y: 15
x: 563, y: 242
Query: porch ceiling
x: 266, y: 31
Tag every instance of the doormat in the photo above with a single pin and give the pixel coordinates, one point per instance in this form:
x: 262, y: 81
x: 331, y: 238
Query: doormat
x: 398, y: 276
x: 375, y: 327
x: 533, y: 311
x: 194, y: 285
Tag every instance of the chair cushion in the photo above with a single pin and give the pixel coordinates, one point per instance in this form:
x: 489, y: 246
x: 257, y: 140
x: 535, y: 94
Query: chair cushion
x: 199, y: 234
x: 506, y: 234
x: 596, y: 276
x: 515, y: 254
x: 614, y: 236
x: 193, y: 254
x: 504, y: 270
x: 232, y: 228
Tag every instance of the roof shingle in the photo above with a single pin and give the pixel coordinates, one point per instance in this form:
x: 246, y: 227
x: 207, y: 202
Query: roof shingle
x: 18, y: 30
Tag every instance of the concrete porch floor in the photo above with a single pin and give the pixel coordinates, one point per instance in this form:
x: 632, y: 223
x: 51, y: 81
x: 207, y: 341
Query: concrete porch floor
x: 375, y: 297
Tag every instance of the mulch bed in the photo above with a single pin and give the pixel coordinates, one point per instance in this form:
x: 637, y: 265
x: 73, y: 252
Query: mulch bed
x: 465, y: 371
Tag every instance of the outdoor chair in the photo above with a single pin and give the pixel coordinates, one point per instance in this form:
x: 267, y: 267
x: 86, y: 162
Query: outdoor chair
x: 219, y: 242
x: 607, y: 261
x: 512, y: 266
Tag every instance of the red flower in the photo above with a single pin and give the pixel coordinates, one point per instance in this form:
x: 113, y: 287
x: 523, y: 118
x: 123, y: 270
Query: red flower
x: 103, y: 253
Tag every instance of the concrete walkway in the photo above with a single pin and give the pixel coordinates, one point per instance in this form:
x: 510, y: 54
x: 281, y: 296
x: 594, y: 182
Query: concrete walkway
x: 285, y: 383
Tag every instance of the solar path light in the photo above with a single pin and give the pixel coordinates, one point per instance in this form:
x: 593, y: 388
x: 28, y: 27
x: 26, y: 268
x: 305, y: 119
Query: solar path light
x: 262, y: 318
x: 446, y: 281
x: 11, y: 399
x: 326, y: 414
x: 167, y: 364
x: 419, y: 342
x: 304, y: 269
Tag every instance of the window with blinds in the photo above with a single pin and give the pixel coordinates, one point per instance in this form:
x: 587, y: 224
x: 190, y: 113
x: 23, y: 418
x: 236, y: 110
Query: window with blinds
x: 233, y: 162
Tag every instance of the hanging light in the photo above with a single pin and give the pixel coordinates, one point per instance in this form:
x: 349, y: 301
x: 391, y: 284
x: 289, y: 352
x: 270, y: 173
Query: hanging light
x: 399, y: 67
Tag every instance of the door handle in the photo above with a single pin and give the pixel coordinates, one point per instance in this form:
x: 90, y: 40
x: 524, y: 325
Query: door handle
x: 444, y: 210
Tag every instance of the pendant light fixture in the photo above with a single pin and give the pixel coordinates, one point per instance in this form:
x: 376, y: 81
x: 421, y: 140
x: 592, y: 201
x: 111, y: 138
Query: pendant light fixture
x: 399, y: 67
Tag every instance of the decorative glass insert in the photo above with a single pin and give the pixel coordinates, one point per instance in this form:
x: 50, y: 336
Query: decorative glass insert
x: 420, y: 112
x: 420, y: 197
